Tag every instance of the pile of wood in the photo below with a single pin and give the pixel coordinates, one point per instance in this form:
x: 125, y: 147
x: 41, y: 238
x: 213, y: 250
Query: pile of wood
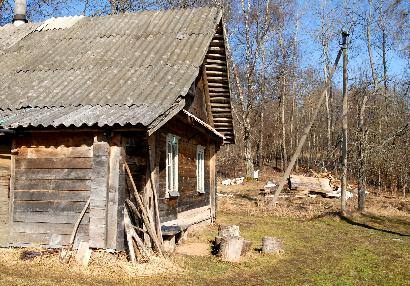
x: 136, y: 247
x: 304, y: 185
x: 229, y: 245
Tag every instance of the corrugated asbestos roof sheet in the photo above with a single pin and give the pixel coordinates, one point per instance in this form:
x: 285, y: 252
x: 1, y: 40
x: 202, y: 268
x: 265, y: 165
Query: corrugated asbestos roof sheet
x: 69, y: 71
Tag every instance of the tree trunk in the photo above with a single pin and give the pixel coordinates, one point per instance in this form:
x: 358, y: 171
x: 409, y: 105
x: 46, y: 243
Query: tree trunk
x: 283, y: 124
x: 248, y: 150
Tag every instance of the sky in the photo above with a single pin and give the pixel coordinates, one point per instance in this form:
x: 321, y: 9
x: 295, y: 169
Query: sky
x: 310, y: 48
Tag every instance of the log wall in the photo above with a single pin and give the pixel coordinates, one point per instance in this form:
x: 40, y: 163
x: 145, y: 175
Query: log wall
x: 52, y: 182
x: 188, y: 198
x: 198, y: 104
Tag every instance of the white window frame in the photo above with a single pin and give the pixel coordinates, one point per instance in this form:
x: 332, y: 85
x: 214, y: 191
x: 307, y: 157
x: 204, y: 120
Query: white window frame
x: 200, y: 169
x: 171, y: 150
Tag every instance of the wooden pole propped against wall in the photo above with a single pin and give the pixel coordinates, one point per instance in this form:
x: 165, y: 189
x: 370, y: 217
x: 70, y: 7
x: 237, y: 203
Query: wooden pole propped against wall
x: 158, y: 247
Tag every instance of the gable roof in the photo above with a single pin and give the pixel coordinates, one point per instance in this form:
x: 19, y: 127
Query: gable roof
x: 73, y: 70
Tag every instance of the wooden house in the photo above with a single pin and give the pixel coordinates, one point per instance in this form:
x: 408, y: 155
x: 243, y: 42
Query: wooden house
x: 82, y: 96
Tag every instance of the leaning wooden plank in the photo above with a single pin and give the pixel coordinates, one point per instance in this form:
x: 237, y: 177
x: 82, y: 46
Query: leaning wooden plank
x: 45, y: 206
x: 53, y: 163
x: 54, y: 174
x: 128, y: 232
x: 150, y: 228
x: 51, y: 195
x: 66, y: 253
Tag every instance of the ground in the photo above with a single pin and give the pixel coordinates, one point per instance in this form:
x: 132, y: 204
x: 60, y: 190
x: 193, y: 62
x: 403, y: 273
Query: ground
x: 320, y: 248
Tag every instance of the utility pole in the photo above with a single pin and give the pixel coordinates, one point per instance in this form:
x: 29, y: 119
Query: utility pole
x: 306, y: 131
x: 345, y: 35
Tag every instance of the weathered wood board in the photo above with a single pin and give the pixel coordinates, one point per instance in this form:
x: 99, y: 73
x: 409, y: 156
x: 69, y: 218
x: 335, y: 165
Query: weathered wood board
x: 51, y: 186
x: 5, y: 166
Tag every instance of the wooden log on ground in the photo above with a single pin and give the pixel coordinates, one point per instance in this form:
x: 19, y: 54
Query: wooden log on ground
x: 271, y: 245
x: 309, y: 184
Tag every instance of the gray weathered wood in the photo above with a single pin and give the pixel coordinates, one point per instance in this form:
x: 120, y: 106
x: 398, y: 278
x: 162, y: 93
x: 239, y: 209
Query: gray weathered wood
x: 148, y: 224
x: 112, y: 206
x: 54, y: 174
x: 45, y: 206
x: 62, y: 152
x: 271, y: 245
x: 231, y: 249
x: 98, y: 196
x: 48, y: 217
x: 51, y: 195
x: 62, y: 185
x: 53, y: 163
x: 53, y: 228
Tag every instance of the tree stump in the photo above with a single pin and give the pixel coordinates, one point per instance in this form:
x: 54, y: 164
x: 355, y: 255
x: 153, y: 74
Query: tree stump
x: 231, y: 249
x: 271, y: 245
x: 228, y: 231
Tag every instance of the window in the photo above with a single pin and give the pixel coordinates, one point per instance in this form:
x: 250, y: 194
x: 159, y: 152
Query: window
x: 172, y: 166
x: 200, y: 169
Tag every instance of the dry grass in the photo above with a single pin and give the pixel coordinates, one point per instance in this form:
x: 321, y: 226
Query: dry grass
x: 101, y: 263
x: 321, y: 248
x: 247, y: 199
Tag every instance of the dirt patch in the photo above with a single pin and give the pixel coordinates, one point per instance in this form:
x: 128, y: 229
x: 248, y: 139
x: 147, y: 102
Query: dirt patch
x: 194, y: 249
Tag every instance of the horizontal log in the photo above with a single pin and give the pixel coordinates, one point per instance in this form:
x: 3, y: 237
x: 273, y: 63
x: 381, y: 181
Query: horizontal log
x: 65, y: 152
x: 59, y: 185
x: 215, y: 56
x: 40, y: 227
x: 45, y: 239
x: 54, y: 174
x: 47, y: 206
x: 213, y: 67
x: 53, y: 163
x: 51, y: 195
x: 50, y: 217
x: 215, y: 62
x: 303, y: 183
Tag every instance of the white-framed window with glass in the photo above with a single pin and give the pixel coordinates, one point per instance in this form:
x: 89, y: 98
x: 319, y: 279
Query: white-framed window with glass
x: 200, y: 169
x: 172, y: 166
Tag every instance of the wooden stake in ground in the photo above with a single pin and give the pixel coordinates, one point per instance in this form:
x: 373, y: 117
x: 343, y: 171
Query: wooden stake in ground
x: 344, y: 123
x: 306, y: 130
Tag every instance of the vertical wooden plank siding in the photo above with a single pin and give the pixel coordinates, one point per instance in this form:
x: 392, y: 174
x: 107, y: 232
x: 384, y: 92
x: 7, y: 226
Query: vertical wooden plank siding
x: 99, y: 194
x: 5, y: 167
x: 113, y: 188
